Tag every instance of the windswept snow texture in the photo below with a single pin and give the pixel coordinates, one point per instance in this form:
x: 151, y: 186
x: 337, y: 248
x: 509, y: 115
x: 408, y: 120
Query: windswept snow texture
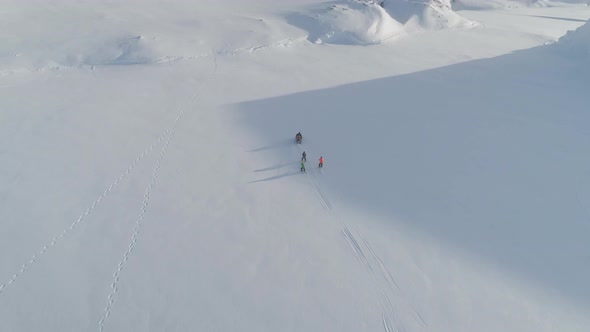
x: 151, y: 182
x: 363, y: 22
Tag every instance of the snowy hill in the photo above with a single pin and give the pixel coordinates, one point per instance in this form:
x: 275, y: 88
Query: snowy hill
x: 489, y: 156
x: 150, y: 178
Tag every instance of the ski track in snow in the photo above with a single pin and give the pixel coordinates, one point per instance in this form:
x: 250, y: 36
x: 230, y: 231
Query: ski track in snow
x: 134, y: 237
x: 384, y: 280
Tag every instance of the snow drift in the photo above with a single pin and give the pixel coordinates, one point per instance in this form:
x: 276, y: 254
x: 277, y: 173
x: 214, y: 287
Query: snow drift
x: 365, y: 22
x: 425, y: 14
x: 347, y: 22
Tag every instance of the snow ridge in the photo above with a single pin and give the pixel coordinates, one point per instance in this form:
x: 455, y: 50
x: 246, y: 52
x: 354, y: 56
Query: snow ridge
x: 576, y: 43
x: 366, y: 22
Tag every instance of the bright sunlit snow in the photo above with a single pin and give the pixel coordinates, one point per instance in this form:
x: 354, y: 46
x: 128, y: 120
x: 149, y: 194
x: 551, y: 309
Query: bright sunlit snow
x: 151, y: 180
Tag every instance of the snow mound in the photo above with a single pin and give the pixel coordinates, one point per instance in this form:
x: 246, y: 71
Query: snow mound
x: 348, y: 22
x: 366, y: 22
x: 425, y: 14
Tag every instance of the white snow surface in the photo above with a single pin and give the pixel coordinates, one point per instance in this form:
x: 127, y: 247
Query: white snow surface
x: 575, y: 45
x: 488, y: 4
x: 151, y: 182
x: 365, y: 22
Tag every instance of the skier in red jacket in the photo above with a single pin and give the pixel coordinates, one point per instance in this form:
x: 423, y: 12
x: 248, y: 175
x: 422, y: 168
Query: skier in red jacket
x: 321, y: 162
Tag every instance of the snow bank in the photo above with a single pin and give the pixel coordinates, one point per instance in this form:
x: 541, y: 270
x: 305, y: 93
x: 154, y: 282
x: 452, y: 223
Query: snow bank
x: 365, y: 22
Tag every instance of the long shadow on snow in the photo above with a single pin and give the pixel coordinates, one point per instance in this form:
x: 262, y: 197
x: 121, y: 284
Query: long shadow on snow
x: 276, y: 145
x: 276, y: 177
x: 491, y: 156
x: 277, y: 166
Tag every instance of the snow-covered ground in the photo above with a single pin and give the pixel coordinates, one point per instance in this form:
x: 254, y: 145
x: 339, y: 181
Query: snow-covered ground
x: 150, y: 180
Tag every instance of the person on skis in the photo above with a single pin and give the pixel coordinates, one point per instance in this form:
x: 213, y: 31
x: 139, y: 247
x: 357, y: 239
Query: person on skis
x: 321, y: 162
x: 303, y: 167
x: 303, y: 156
